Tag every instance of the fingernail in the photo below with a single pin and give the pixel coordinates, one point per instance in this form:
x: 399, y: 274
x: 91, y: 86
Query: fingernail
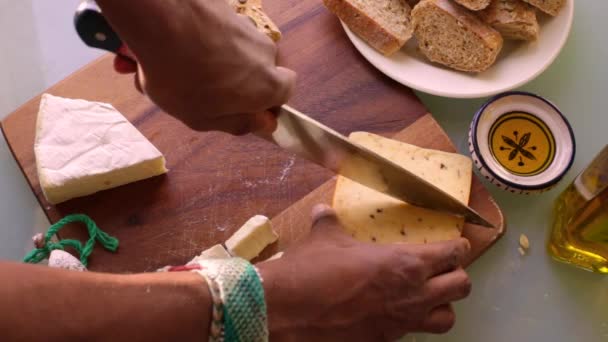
x: 320, y: 211
x: 467, y: 246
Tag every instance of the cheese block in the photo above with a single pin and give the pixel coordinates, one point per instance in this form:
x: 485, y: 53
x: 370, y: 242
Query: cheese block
x: 251, y: 239
x: 371, y: 216
x: 216, y: 252
x: 83, y: 147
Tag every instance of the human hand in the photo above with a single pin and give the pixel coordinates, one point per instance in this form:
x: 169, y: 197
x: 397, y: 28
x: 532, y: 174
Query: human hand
x: 331, y: 287
x: 202, y: 63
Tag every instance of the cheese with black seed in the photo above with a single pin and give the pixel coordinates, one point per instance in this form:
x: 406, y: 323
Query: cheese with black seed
x: 371, y: 216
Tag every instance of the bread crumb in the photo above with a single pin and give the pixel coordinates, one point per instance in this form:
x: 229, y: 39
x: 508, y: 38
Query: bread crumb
x: 524, y: 242
x: 521, y: 251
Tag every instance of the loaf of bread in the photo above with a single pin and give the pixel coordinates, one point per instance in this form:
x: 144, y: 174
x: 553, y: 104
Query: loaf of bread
x: 383, y: 24
x: 514, y: 19
x: 551, y: 7
x: 474, y: 5
x: 253, y: 10
x: 450, y: 35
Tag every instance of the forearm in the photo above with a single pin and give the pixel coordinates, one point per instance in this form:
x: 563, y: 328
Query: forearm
x: 43, y: 304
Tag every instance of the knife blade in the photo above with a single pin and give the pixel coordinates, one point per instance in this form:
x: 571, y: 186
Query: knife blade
x: 308, y: 138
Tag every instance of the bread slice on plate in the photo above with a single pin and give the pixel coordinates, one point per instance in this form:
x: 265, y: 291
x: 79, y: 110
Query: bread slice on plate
x: 551, y: 7
x: 514, y: 19
x: 448, y: 34
x: 474, y: 5
x: 253, y: 10
x: 383, y: 24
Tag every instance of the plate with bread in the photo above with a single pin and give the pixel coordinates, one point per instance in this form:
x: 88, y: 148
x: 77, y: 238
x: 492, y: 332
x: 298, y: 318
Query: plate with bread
x: 458, y: 48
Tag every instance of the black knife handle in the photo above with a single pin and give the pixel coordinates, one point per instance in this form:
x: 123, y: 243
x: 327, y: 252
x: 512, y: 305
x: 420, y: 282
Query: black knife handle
x: 95, y: 31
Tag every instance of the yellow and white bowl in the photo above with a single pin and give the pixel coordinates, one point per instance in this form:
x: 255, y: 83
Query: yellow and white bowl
x: 521, y: 143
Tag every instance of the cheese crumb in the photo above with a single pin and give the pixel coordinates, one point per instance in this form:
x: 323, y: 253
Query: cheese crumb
x: 524, y: 242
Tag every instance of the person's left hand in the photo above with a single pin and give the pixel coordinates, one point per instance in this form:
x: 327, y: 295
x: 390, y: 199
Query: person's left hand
x: 331, y: 287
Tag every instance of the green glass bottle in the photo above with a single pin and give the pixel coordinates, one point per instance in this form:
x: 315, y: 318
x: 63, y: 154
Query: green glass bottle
x: 580, y: 230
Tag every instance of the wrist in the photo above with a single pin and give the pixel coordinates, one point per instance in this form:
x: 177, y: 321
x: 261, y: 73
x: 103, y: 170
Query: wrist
x: 285, y: 316
x: 175, y: 305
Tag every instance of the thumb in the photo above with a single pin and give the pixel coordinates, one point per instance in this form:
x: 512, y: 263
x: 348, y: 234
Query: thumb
x: 325, y: 223
x: 286, y: 83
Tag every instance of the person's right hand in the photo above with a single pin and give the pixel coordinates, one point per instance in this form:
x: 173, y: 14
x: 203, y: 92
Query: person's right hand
x: 201, y: 62
x: 331, y: 287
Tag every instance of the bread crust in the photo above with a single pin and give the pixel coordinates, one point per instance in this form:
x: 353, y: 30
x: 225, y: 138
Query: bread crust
x: 474, y: 5
x: 490, y: 38
x: 551, y: 7
x: 514, y: 19
x: 253, y: 10
x: 367, y: 28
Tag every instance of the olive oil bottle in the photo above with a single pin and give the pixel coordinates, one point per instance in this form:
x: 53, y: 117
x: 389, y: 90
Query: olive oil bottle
x: 580, y: 229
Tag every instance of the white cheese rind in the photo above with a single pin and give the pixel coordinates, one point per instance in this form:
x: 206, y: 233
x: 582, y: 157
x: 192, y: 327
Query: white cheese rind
x: 83, y: 147
x: 276, y: 256
x: 251, y: 239
x: 216, y: 252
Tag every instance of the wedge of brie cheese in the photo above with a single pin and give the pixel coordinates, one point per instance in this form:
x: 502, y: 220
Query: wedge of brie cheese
x: 83, y: 147
x: 251, y: 239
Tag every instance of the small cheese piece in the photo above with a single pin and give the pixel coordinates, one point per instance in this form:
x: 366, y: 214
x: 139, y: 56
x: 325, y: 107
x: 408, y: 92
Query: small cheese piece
x: 83, y: 147
x: 524, y: 242
x: 251, y: 239
x: 216, y: 252
x: 371, y: 216
x: 279, y: 255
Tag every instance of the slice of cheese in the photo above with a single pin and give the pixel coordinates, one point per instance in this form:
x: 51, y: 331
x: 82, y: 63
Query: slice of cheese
x: 371, y: 216
x: 276, y: 256
x: 216, y: 252
x: 251, y: 239
x: 84, y: 147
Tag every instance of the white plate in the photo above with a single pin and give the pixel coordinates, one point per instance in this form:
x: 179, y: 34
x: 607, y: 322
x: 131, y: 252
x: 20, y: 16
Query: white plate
x: 517, y: 64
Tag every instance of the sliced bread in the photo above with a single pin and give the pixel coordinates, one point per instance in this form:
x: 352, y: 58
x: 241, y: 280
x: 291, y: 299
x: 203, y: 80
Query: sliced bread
x: 450, y: 35
x: 514, y: 19
x: 253, y: 10
x: 383, y: 24
x: 474, y: 5
x: 551, y: 7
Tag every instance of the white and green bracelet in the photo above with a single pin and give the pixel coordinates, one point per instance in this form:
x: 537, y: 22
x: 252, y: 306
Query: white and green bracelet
x: 239, y: 308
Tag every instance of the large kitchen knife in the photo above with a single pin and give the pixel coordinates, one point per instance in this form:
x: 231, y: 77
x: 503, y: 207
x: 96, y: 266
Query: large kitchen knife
x: 302, y: 135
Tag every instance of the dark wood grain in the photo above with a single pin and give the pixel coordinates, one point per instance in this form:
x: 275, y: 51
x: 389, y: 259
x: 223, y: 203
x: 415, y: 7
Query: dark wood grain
x: 216, y: 181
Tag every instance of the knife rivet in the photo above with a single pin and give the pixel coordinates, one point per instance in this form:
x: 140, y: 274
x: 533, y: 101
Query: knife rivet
x: 100, y: 36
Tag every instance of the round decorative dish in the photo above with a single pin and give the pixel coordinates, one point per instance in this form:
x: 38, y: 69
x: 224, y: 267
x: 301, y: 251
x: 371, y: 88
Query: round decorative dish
x: 521, y: 143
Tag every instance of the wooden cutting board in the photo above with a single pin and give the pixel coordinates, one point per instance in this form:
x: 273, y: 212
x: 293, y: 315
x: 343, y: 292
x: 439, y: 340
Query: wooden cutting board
x: 216, y: 181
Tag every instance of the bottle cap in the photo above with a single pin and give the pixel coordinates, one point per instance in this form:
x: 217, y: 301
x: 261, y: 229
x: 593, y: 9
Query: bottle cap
x: 521, y: 143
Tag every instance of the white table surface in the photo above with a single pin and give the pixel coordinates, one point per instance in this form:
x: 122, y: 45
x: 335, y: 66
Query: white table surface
x: 514, y: 298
